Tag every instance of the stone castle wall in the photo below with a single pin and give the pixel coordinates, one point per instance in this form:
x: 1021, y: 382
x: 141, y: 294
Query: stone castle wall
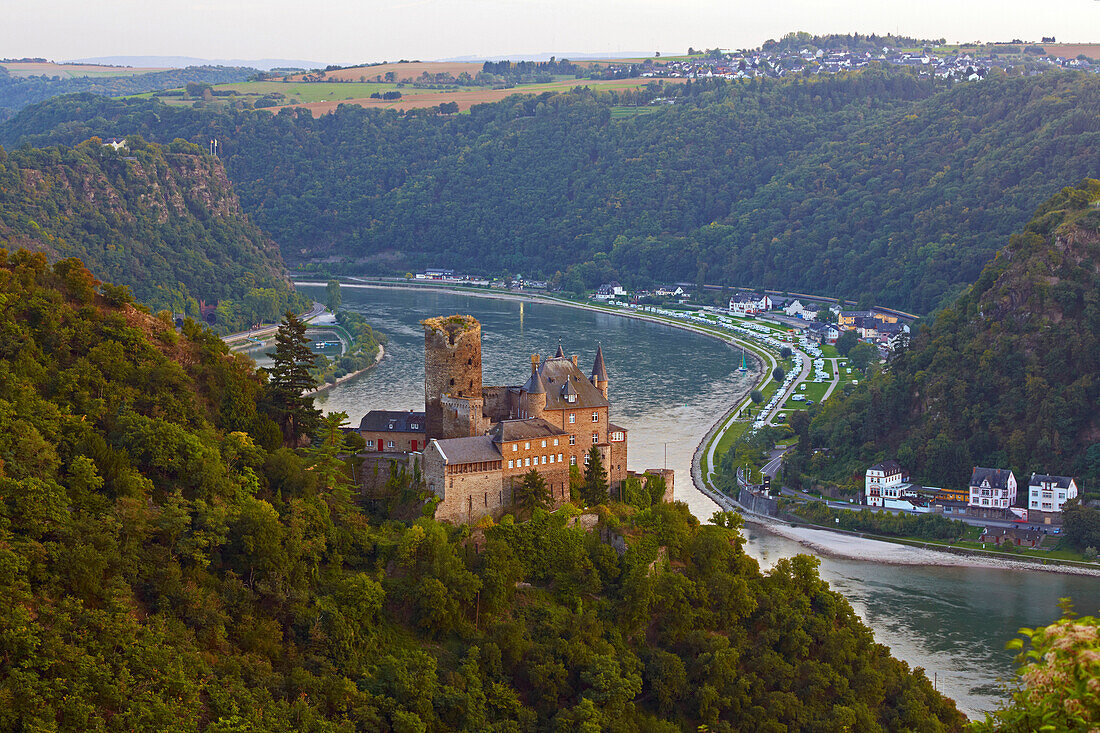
x: 497, y: 403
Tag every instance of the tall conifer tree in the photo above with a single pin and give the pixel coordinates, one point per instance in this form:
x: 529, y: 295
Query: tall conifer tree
x: 595, y: 479
x: 290, y: 380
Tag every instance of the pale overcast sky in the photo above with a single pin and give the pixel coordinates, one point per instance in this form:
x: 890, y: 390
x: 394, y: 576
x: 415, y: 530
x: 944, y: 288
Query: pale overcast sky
x: 347, y: 31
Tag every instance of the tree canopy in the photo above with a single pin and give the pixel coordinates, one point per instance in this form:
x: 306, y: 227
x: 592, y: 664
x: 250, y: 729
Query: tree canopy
x: 877, y: 184
x: 166, y: 564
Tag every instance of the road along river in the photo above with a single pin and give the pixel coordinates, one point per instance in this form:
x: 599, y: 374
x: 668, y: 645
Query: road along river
x: 667, y: 387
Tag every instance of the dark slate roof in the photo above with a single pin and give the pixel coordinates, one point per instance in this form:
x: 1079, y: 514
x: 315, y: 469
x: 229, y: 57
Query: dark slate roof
x: 1061, y: 482
x: 891, y: 466
x: 532, y: 427
x: 612, y: 427
x: 534, y: 384
x: 468, y: 450
x: 998, y: 477
x: 393, y: 420
x: 559, y: 354
x: 599, y: 371
x: 1014, y: 532
x: 562, y: 375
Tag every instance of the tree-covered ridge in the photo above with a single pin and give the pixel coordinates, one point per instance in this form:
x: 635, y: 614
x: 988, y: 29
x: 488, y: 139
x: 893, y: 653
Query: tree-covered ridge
x: 166, y: 565
x: 1007, y: 376
x: 876, y: 183
x: 17, y: 92
x: 164, y: 221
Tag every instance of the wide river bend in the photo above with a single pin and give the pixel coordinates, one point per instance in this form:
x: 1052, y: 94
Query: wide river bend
x: 667, y: 387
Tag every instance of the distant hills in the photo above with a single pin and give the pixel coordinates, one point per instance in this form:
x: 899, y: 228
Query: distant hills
x: 179, y: 62
x: 1007, y: 376
x: 879, y: 184
x: 19, y: 91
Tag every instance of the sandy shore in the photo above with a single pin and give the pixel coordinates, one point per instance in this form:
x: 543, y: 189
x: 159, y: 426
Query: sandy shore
x: 849, y: 547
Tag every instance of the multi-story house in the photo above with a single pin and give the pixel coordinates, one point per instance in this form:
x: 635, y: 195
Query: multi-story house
x: 992, y: 488
x: 884, y: 481
x: 1048, y: 493
x: 748, y: 304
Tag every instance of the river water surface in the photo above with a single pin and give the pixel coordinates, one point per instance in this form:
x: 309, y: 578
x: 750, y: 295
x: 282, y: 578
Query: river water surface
x: 667, y: 387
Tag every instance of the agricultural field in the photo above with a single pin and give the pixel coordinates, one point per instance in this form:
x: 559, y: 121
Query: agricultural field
x: 72, y: 71
x: 1073, y: 50
x: 293, y: 92
x: 466, y: 98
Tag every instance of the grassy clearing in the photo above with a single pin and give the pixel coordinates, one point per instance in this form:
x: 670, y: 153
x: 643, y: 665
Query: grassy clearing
x: 619, y: 112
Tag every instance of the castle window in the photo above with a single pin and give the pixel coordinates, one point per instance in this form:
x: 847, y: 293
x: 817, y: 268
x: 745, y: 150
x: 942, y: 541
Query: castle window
x: 510, y: 463
x: 544, y: 444
x: 389, y: 444
x: 572, y: 417
x: 559, y: 458
x: 527, y: 446
x: 452, y: 382
x: 572, y: 440
x: 595, y: 437
x: 515, y: 447
x: 551, y: 457
x: 572, y: 460
x: 595, y: 417
x: 555, y: 441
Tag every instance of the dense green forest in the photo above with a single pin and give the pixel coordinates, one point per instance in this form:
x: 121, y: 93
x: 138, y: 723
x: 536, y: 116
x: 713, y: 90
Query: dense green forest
x: 163, y: 221
x: 16, y: 92
x: 878, y: 183
x: 166, y: 564
x: 1005, y: 377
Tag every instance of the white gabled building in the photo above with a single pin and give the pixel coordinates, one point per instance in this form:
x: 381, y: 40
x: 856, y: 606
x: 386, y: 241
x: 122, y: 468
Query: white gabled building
x: 992, y: 487
x: 883, y: 482
x: 795, y: 309
x: 610, y: 290
x: 1048, y: 493
x: 746, y: 304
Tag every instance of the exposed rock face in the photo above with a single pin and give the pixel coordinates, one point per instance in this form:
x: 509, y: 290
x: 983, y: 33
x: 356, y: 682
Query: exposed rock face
x: 163, y: 220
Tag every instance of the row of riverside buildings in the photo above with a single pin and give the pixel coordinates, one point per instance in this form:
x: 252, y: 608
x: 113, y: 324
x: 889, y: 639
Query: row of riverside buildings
x: 475, y: 442
x: 992, y: 494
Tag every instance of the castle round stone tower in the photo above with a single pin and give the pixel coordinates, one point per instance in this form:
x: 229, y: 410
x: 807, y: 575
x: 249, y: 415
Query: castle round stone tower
x: 452, y: 377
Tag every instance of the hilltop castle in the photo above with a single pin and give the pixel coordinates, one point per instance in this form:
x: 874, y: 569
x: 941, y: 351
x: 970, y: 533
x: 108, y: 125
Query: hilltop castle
x: 478, y: 441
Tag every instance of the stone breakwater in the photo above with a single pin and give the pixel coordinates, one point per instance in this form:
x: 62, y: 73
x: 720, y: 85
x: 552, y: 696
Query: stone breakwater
x: 352, y: 375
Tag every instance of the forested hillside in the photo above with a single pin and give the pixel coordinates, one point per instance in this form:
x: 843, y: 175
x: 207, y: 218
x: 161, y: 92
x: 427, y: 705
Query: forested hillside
x: 163, y: 221
x: 1008, y: 376
x: 166, y: 565
x: 877, y: 183
x: 16, y: 92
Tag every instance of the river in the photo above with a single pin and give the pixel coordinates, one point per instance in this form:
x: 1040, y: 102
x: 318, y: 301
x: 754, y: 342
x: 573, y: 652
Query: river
x: 667, y: 387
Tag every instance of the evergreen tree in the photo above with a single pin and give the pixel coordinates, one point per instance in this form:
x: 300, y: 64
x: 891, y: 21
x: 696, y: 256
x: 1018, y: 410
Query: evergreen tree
x: 531, y: 493
x: 290, y: 380
x: 594, y: 491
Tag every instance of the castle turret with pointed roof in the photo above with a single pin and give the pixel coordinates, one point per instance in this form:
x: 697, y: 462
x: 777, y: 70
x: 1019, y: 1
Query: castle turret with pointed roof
x: 599, y: 372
